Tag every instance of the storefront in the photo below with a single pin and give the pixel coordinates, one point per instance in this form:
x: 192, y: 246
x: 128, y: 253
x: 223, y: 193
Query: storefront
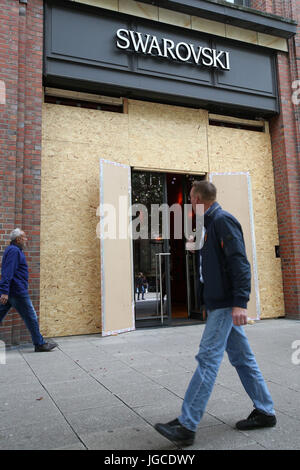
x: 137, y: 107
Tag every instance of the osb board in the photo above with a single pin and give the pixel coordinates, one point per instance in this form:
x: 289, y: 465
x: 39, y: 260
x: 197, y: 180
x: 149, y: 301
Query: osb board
x: 233, y: 196
x: 74, y: 140
x: 73, y: 143
x: 116, y: 269
x: 108, y: 131
x: 149, y: 136
x: 167, y: 137
x: 237, y: 150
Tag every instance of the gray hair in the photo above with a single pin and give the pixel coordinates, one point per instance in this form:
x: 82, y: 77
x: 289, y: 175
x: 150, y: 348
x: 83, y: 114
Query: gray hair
x: 17, y: 232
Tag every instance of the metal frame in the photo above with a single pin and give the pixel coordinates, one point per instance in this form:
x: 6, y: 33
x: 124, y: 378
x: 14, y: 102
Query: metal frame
x: 158, y: 269
x: 159, y: 255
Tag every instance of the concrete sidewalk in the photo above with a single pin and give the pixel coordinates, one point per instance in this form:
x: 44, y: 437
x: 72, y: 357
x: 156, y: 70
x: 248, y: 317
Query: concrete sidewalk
x: 107, y: 392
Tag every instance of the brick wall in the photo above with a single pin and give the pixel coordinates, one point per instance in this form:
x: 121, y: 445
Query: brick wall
x: 277, y: 7
x: 285, y: 135
x: 21, y: 49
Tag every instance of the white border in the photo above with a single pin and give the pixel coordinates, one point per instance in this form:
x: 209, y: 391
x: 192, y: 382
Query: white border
x: 254, y: 258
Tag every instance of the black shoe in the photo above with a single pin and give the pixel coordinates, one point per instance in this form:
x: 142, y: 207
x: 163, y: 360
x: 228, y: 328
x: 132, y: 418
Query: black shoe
x: 175, y: 432
x: 257, y: 419
x: 45, y: 347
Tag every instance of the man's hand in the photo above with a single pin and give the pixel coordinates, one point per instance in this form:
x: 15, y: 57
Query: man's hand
x: 3, y: 299
x: 239, y: 316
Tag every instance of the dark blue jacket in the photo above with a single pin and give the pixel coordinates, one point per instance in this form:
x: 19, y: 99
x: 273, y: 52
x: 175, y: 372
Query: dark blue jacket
x: 225, y: 268
x: 14, y: 272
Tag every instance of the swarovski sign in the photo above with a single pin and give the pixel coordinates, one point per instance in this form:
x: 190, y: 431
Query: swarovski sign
x: 182, y: 51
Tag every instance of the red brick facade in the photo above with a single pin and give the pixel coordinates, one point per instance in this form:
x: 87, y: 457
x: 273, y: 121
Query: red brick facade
x: 285, y: 134
x: 21, y: 52
x: 21, y: 49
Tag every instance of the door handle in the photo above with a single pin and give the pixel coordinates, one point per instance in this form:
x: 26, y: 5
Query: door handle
x: 160, y: 282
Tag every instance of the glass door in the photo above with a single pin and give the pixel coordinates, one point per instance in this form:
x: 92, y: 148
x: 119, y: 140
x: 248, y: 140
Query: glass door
x: 192, y: 261
x: 150, y: 249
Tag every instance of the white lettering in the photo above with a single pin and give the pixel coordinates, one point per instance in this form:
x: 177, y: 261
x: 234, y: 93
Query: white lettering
x: 180, y: 45
x: 168, y: 45
x: 296, y: 354
x: 120, y: 33
x: 106, y: 229
x: 216, y: 58
x: 295, y: 95
x: 2, y: 92
x: 184, y: 459
x: 123, y: 217
x: 140, y: 221
x: 116, y: 460
x: 206, y: 54
x: 227, y: 61
x: 132, y: 221
x: 154, y: 44
x: 170, y: 459
x: 182, y: 51
x: 165, y: 210
x: 2, y: 353
x: 139, y: 44
x: 195, y: 55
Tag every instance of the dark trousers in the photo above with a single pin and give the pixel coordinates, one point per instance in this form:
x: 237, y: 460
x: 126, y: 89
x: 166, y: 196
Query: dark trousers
x: 141, y: 290
x: 24, y: 307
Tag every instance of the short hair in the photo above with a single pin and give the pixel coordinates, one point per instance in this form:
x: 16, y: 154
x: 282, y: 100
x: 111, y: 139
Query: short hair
x: 17, y: 232
x: 206, y: 189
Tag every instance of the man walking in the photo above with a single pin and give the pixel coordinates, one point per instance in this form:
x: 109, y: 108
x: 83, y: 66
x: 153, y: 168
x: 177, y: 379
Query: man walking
x: 14, y: 289
x: 227, y: 277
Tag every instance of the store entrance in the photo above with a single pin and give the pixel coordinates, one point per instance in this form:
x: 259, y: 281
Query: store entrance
x: 165, y: 274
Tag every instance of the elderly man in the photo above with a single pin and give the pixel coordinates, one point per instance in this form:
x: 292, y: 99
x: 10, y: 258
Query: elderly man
x: 226, y: 275
x: 14, y: 289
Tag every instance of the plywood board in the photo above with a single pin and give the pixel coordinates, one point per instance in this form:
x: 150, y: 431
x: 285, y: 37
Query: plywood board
x: 167, y: 137
x: 116, y: 251
x: 74, y: 140
x: 234, y: 195
x: 238, y: 150
x: 151, y: 135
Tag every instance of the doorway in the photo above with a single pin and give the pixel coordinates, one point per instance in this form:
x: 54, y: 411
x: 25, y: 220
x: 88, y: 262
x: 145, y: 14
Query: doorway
x: 166, y: 283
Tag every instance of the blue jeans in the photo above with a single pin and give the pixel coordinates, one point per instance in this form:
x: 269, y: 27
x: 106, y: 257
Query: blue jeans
x: 24, y: 307
x: 141, y: 290
x: 219, y: 335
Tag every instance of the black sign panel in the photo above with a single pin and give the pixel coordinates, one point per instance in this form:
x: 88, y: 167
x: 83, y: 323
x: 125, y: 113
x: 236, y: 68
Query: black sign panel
x: 97, y: 50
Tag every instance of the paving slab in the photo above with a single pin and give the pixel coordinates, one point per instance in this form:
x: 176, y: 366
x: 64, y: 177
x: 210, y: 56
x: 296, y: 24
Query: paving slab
x: 98, y: 392
x: 83, y: 402
x: 70, y: 388
x: 145, y: 395
x: 124, y: 381
x: 46, y: 435
x: 285, y: 435
x: 139, y: 437
x: 102, y: 418
x: 37, y: 410
x: 221, y: 437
